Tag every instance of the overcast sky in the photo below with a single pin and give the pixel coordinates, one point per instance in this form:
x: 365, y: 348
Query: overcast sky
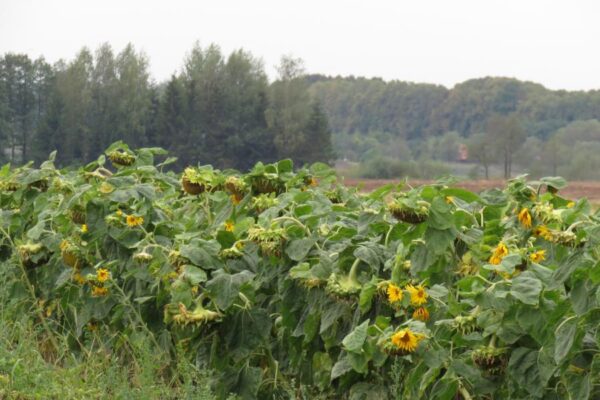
x: 552, y: 42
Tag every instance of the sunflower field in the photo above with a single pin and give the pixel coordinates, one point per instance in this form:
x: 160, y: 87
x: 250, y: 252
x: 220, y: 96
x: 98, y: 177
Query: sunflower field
x: 285, y: 284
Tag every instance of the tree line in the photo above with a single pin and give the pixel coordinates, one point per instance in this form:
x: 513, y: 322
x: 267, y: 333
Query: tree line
x: 220, y: 109
x: 223, y: 110
x: 396, y: 128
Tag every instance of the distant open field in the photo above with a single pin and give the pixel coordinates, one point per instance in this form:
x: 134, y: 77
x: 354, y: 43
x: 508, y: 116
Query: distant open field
x: 574, y: 190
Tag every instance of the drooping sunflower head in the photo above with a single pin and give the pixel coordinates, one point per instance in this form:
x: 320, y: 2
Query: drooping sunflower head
x: 235, y: 186
x: 418, y: 294
x: 180, y: 314
x: 543, y: 232
x: 492, y: 360
x: 121, y: 158
x: 538, y: 256
x: 421, y: 314
x: 196, y: 180
x: 269, y: 240
x: 262, y: 202
x: 99, y: 291
x: 524, y: 218
x: 77, y: 214
x: 499, y: 253
x: 142, y: 256
x: 409, y: 208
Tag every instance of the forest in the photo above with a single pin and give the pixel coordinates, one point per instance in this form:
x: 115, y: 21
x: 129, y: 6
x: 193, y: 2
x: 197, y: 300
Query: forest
x: 222, y: 109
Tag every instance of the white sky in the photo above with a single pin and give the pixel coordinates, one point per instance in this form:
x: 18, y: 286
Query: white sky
x: 552, y: 42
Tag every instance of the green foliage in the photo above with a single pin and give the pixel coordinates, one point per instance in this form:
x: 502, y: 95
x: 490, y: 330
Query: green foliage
x: 322, y: 293
x: 221, y: 109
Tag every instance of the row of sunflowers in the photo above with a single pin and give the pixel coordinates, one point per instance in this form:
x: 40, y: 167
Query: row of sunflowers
x: 286, y: 284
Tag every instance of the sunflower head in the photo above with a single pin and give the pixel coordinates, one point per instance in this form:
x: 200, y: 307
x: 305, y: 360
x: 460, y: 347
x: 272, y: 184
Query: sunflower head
x: 492, y: 360
x: 543, y: 232
x: 262, y: 202
x: 394, y: 293
x: 77, y: 214
x: 418, y: 294
x: 102, y: 275
x: 121, y: 158
x: 142, y: 256
x: 180, y: 315
x: 99, y: 291
x: 71, y: 254
x: 133, y: 221
x: 421, y: 314
x: 409, y: 208
x: 269, y: 240
x: 499, y: 253
x: 464, y: 324
x: 403, y: 342
x: 229, y: 226
x: 235, y: 186
x: 538, y: 256
x: 524, y: 218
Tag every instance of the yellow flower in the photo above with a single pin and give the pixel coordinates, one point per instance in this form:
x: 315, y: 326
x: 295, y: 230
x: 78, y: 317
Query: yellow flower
x: 119, y: 213
x: 84, y: 228
x: 571, y: 204
x: 99, y: 291
x: 394, y: 293
x: 499, y: 253
x: 229, y: 226
x: 235, y: 199
x: 543, y: 232
x: 102, y: 275
x: 525, y: 218
x: 313, y: 182
x: 77, y: 277
x: 406, y: 340
x: 449, y: 199
x: 421, y: 314
x: 133, y: 221
x: 418, y: 295
x: 538, y: 256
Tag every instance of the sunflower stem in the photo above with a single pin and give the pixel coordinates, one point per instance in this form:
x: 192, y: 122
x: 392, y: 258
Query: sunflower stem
x: 354, y: 269
x: 464, y: 393
x: 36, y: 304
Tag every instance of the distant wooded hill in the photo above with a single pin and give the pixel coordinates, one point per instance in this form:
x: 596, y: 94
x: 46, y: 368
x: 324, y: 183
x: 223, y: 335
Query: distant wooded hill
x: 222, y: 109
x: 418, y: 110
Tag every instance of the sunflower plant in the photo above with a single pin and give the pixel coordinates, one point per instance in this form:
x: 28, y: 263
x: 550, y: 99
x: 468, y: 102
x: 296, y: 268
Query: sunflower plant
x: 286, y: 284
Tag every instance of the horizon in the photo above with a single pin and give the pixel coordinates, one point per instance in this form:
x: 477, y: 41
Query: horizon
x: 539, y: 42
x: 308, y: 73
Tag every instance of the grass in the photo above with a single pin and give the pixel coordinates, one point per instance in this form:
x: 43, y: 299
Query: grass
x: 31, y: 367
x: 28, y: 370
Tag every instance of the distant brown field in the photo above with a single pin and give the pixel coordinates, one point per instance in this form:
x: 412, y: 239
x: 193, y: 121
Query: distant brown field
x: 574, y: 190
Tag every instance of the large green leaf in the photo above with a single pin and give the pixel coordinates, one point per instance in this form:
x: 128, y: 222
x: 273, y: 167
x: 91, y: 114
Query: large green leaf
x: 224, y: 288
x: 353, y: 342
x: 526, y: 288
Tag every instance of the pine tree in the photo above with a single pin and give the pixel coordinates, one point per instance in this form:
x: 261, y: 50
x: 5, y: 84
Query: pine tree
x: 317, y: 145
